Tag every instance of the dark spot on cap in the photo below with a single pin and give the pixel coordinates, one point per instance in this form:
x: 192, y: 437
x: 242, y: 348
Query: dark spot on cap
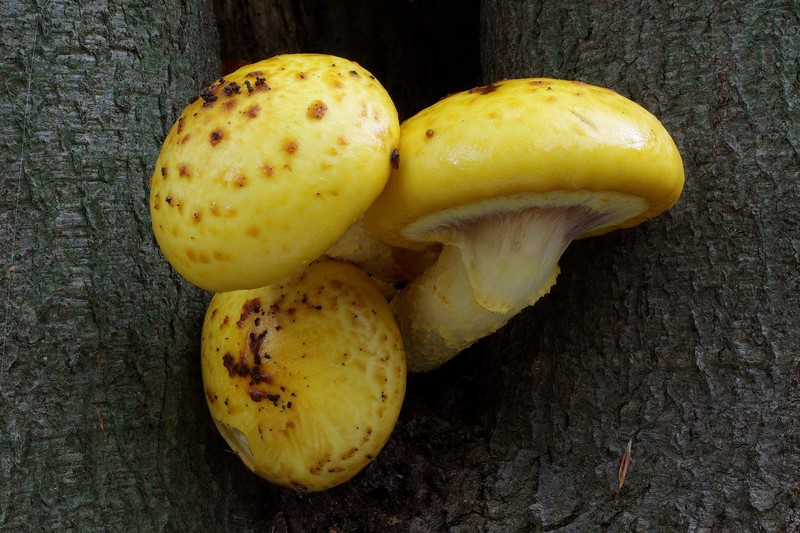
x: 255, y: 343
x: 354, y: 74
x: 429, y: 134
x: 184, y: 170
x: 262, y: 85
x: 231, y: 89
x: 395, y: 159
x: 180, y: 124
x: 249, y: 86
x: 257, y: 377
x: 216, y: 136
x: 235, y: 369
x: 208, y: 96
x: 250, y: 307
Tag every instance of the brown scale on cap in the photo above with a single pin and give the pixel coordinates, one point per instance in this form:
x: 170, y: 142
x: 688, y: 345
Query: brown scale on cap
x: 486, y: 89
x: 252, y: 111
x: 317, y: 109
x: 231, y: 89
x: 290, y: 146
x: 208, y: 96
x: 249, y: 308
x: 216, y: 136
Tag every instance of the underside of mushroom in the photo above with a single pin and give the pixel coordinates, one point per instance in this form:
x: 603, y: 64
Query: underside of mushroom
x: 498, y: 257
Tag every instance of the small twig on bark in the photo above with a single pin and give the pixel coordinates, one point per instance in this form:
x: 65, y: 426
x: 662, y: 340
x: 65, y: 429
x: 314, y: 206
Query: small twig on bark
x: 102, y: 422
x: 624, y: 464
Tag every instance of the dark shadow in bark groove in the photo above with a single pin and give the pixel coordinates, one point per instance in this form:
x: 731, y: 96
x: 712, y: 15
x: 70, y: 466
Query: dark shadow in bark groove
x: 420, y: 50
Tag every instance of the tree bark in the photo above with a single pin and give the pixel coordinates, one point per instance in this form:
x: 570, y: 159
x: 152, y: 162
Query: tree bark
x: 680, y: 335
x: 99, y: 421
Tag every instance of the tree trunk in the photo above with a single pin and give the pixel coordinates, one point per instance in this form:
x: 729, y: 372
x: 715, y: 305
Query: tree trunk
x: 100, y: 424
x: 680, y: 334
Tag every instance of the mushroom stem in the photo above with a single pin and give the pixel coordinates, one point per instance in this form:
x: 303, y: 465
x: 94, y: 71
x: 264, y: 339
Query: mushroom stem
x: 490, y: 269
x: 387, y: 265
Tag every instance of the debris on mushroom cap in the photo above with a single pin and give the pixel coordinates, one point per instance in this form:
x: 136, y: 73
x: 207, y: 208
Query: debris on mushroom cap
x: 304, y: 379
x: 268, y: 167
x: 504, y: 177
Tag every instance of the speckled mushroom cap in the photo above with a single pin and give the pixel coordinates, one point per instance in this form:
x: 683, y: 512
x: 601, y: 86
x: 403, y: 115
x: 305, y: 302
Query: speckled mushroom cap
x: 305, y: 379
x: 527, y: 142
x: 268, y: 167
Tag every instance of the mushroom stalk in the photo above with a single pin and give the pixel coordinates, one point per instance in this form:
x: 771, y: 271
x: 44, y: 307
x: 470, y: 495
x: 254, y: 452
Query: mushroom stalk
x: 489, y: 270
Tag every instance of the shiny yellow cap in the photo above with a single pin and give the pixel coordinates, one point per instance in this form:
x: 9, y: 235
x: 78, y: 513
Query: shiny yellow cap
x: 523, y: 142
x: 305, y: 379
x: 268, y: 167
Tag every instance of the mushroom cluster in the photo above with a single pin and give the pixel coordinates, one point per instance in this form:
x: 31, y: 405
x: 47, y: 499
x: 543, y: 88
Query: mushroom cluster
x: 345, y: 249
x: 302, y: 363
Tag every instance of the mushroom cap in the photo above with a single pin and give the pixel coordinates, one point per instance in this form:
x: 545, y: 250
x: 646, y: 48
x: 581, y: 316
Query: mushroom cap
x: 304, y: 379
x: 269, y: 167
x: 527, y: 142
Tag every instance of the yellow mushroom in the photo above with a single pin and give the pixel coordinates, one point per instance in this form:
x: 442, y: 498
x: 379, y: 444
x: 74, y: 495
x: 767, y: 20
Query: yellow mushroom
x: 269, y: 167
x: 504, y: 177
x: 305, y: 378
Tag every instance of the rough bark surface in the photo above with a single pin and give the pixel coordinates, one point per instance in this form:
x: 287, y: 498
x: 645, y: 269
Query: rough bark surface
x: 680, y: 334
x: 99, y: 424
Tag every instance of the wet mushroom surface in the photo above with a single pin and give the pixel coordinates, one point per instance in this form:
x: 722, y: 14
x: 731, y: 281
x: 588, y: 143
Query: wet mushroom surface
x: 305, y: 378
x: 268, y: 167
